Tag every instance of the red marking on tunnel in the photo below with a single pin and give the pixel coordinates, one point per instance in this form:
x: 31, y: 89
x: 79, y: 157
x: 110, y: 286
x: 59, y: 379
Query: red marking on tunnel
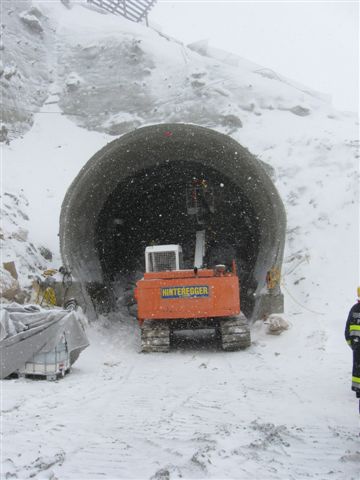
x: 168, y: 133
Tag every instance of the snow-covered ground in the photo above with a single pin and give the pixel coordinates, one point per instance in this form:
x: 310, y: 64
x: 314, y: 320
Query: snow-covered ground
x: 282, y: 409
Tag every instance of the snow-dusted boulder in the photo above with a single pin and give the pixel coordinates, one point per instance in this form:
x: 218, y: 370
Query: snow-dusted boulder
x: 9, y: 71
x: 277, y: 325
x: 301, y: 111
x: 31, y: 21
x: 73, y: 81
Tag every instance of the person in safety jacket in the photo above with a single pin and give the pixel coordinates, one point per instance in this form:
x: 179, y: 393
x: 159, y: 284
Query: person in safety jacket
x: 352, y: 336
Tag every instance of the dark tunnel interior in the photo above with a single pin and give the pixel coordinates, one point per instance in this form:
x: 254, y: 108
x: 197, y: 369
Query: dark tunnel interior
x: 151, y: 209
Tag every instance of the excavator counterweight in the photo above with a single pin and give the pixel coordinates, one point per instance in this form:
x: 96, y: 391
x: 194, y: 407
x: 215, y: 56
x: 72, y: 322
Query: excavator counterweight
x: 174, y: 299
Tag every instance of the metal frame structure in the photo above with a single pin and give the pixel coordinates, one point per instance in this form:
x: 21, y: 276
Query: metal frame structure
x: 162, y: 257
x: 134, y: 10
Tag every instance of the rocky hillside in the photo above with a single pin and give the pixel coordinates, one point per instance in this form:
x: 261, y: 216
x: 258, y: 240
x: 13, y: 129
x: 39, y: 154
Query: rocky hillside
x: 113, y: 75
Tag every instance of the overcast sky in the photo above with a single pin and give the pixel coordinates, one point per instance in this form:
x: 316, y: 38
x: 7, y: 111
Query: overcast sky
x: 313, y: 42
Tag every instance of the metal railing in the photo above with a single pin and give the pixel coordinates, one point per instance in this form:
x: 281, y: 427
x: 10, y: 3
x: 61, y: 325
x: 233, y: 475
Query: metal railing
x: 134, y: 10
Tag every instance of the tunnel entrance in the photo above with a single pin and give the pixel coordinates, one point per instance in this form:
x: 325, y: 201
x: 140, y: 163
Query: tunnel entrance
x: 133, y: 193
x: 151, y: 209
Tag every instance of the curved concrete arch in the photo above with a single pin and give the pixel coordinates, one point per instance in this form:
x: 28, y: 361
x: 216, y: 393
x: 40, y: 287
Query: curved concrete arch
x: 140, y: 179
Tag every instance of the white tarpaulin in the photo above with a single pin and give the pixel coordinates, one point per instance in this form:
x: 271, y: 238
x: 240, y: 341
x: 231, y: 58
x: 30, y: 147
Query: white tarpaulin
x: 28, y: 330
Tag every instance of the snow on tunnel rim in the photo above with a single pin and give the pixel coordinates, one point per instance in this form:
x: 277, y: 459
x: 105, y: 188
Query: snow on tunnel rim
x: 137, y: 179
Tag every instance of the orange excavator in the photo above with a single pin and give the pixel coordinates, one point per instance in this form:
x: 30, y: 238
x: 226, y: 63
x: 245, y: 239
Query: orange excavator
x: 171, y: 298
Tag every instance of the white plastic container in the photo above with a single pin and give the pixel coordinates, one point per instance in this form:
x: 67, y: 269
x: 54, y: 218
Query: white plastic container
x: 51, y: 365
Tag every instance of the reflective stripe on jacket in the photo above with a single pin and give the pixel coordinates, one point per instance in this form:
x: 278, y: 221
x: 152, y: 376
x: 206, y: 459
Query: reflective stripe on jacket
x: 356, y: 382
x: 352, y: 328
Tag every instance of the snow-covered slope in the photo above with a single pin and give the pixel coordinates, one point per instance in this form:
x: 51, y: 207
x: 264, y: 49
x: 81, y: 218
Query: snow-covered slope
x: 114, y: 75
x: 26, y: 52
x: 282, y: 409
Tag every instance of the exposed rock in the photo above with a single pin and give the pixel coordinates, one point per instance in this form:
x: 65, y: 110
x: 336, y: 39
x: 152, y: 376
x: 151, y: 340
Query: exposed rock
x: 73, y: 81
x: 197, y: 84
x: 9, y: 286
x: 162, y: 474
x: 36, y: 12
x: 198, y: 75
x: 15, y: 244
x: 21, y: 235
x: 22, y: 214
x: 231, y: 121
x: 268, y: 73
x: 248, y: 107
x: 11, y: 268
x: 277, y: 325
x: 46, y: 253
x: 31, y: 21
x: 4, y: 133
x: 301, y: 111
x: 66, y: 3
x: 201, y: 47
x: 9, y: 71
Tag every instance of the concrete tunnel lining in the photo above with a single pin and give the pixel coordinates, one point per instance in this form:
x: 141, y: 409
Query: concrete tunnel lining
x: 151, y: 151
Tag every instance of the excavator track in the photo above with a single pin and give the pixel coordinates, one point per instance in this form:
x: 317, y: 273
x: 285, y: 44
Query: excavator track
x: 155, y: 336
x: 234, y: 333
